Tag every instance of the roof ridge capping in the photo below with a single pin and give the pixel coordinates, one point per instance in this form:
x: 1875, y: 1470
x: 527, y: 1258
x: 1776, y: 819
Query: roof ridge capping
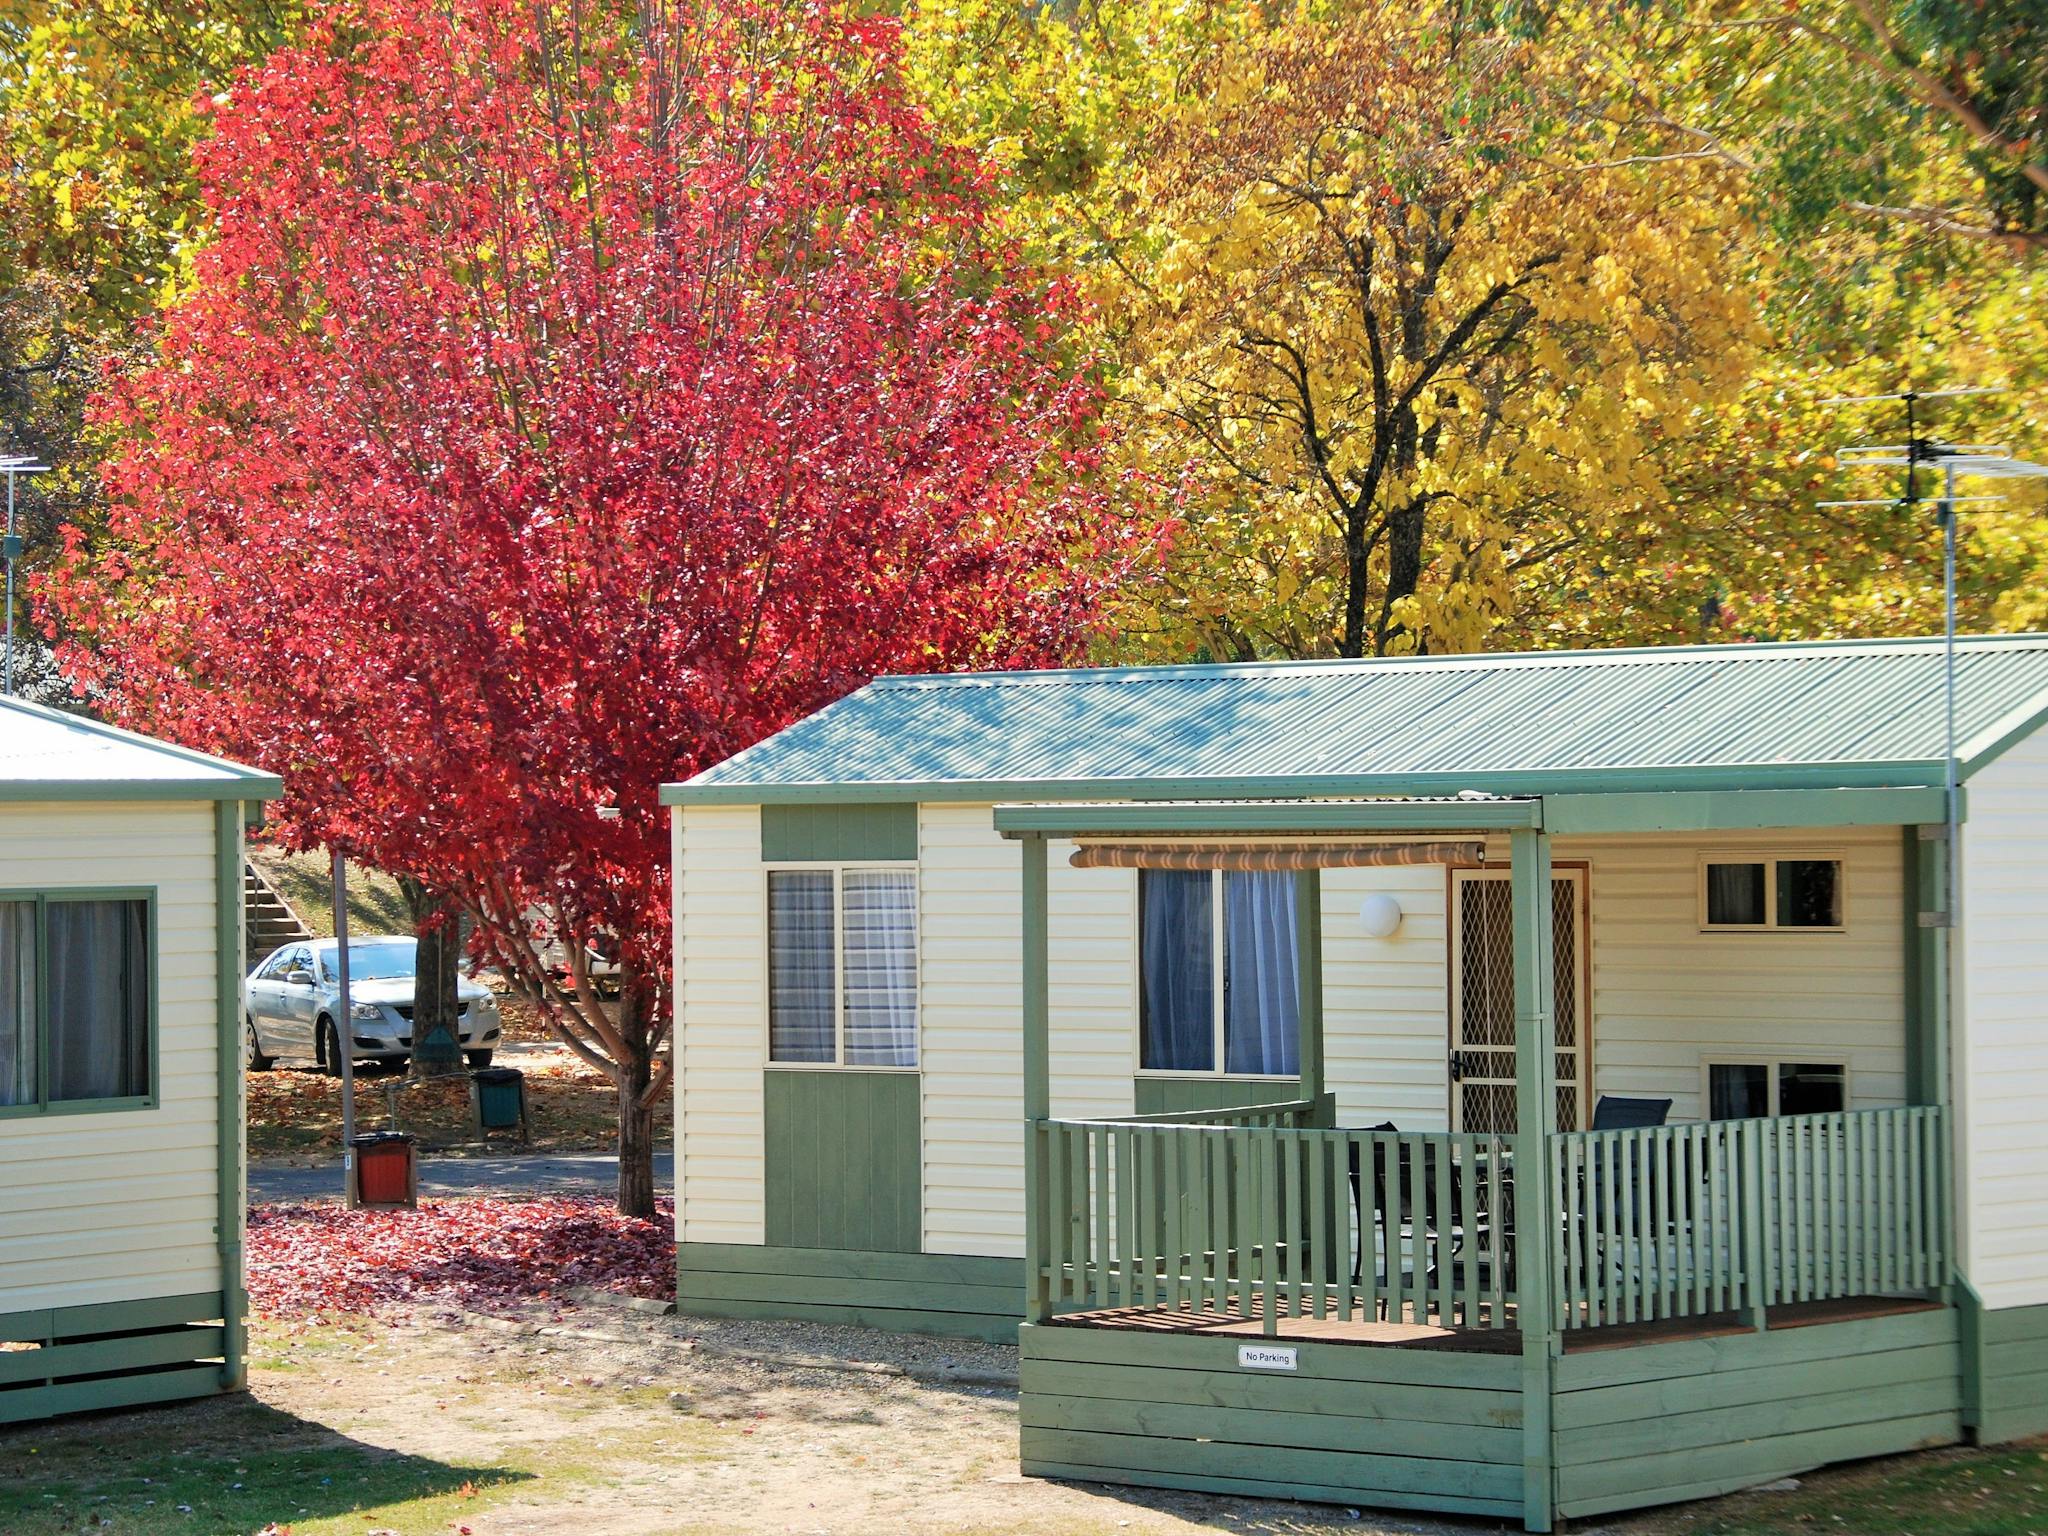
x: 1732, y: 652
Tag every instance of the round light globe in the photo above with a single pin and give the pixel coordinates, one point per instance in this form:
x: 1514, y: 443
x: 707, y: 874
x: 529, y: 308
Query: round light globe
x: 1379, y: 916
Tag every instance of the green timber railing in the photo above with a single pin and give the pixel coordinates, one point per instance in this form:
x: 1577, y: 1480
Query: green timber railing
x: 1248, y: 1213
x: 1740, y: 1215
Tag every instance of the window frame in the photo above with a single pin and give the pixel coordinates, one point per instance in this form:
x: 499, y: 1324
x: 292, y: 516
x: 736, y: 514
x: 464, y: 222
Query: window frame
x: 43, y: 897
x: 839, y: 869
x: 1771, y: 1065
x: 1218, y: 1001
x: 1770, y: 861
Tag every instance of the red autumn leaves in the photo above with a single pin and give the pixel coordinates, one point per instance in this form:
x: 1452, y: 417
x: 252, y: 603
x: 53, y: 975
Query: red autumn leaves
x: 479, y: 1255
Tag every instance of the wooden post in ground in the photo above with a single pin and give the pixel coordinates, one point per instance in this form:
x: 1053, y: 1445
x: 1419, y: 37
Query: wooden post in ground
x: 1536, y: 1213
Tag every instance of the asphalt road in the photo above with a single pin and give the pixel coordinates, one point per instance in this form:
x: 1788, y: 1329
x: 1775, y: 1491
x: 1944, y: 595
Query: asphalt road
x: 539, y: 1174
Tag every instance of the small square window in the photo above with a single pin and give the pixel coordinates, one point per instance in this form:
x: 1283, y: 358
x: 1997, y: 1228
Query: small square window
x: 1809, y: 893
x: 1739, y: 1090
x: 1809, y: 1088
x: 1735, y: 896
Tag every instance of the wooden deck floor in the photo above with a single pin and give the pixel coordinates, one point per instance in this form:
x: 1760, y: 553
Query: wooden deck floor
x: 1507, y: 1340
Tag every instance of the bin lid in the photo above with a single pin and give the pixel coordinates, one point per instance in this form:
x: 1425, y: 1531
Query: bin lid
x: 383, y: 1138
x: 497, y: 1074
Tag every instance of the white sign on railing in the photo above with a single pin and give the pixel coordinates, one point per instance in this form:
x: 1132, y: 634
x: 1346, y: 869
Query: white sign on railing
x: 1265, y: 1357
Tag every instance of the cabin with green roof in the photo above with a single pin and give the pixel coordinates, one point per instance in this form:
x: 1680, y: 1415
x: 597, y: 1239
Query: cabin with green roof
x: 1531, y: 1086
x: 121, y: 1183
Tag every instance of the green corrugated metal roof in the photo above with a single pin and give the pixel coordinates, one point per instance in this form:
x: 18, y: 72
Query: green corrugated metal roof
x: 1756, y: 716
x: 46, y: 754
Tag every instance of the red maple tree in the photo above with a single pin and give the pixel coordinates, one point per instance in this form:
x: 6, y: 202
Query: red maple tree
x: 567, y: 400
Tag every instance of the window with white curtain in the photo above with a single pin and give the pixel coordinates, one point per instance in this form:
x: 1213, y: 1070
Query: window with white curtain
x: 75, y: 1004
x: 1218, y: 974
x: 842, y: 967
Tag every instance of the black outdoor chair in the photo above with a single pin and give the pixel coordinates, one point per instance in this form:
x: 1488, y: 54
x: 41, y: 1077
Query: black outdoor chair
x: 1393, y: 1214
x: 1617, y: 1114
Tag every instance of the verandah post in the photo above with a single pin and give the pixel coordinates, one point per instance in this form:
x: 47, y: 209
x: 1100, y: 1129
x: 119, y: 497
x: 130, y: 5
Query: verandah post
x: 1308, y: 986
x: 1037, y: 1078
x: 1535, y: 1113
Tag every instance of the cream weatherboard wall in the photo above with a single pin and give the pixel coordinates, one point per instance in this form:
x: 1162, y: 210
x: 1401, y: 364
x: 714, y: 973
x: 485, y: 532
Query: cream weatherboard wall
x: 2001, y: 1024
x: 721, y: 1038
x: 121, y: 1205
x: 1665, y: 997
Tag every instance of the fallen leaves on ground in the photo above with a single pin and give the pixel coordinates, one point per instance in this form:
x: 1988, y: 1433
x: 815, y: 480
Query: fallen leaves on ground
x: 479, y: 1254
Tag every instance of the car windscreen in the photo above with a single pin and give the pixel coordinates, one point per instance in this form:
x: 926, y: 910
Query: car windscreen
x: 393, y: 961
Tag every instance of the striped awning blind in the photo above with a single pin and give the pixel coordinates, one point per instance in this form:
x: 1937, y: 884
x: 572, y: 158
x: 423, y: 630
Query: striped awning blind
x: 1272, y: 855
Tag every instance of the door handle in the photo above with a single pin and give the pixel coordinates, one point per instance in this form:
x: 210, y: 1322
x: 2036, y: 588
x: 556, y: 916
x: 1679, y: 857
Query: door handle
x: 1457, y: 1066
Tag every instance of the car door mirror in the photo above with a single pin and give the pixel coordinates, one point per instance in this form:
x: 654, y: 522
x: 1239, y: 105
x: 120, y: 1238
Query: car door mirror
x: 300, y: 977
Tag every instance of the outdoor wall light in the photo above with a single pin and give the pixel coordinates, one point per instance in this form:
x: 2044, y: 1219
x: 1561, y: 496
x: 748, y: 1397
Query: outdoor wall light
x: 1379, y: 916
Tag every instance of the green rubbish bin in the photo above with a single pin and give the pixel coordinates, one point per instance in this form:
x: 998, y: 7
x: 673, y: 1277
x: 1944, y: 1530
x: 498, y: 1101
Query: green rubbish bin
x: 500, y: 1099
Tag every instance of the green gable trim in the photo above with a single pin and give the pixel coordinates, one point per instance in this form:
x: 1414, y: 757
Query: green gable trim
x: 255, y: 787
x: 1901, y: 773
x: 844, y: 1167
x: 953, y: 1295
x: 1270, y: 816
x: 1731, y: 810
x: 230, y: 1199
x: 838, y: 833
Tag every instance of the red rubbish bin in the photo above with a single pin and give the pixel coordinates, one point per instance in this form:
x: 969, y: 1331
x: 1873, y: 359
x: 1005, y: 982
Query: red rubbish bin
x: 384, y: 1163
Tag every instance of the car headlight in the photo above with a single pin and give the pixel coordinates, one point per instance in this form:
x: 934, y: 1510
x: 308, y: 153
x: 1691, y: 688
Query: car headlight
x: 367, y: 1011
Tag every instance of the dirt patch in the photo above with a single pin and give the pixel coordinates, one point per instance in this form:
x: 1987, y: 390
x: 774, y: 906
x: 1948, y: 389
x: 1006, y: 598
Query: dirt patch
x: 640, y: 1425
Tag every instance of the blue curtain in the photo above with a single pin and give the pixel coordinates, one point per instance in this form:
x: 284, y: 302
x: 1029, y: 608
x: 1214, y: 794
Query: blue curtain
x: 1177, y: 981
x: 1261, y: 997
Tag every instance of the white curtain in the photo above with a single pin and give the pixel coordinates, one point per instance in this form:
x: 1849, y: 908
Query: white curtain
x: 1261, y: 997
x: 800, y: 965
x: 17, y: 1002
x: 881, y: 967
x: 1735, y: 894
x: 98, y: 999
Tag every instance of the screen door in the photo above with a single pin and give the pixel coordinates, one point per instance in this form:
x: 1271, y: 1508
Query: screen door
x: 1483, y: 1001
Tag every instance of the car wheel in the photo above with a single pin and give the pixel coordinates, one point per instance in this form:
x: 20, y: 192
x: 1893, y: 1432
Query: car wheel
x: 478, y: 1060
x: 330, y: 1047
x: 255, y: 1060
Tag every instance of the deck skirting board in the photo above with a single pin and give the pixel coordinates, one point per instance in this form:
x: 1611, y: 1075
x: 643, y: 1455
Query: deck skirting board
x: 111, y: 1355
x: 2010, y: 1389
x: 954, y: 1295
x: 1662, y: 1423
x: 1353, y: 1425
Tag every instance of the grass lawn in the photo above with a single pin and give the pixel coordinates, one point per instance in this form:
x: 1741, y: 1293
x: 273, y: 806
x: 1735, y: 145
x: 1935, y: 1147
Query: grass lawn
x: 306, y: 880
x: 612, y: 1424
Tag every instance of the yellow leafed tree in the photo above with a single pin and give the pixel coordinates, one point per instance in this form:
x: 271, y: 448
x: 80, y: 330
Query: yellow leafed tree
x: 1420, y: 317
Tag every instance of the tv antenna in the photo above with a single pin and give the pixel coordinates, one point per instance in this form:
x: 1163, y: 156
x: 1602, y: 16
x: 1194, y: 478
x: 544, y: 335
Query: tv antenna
x: 13, y: 466
x: 1990, y: 461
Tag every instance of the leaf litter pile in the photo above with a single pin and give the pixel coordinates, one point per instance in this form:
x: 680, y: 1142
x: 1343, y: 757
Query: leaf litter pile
x: 478, y: 1254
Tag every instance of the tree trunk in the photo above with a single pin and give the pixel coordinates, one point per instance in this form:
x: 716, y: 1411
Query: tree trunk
x: 636, y: 1118
x: 436, y: 1027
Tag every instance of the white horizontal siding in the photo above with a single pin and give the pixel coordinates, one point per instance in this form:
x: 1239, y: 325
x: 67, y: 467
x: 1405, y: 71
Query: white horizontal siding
x: 1667, y: 997
x: 721, y: 987
x: 1386, y: 1002
x: 1664, y: 997
x: 971, y: 1020
x: 121, y: 1206
x: 2001, y: 1028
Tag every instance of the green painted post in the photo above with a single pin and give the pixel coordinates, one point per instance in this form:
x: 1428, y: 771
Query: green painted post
x: 229, y: 1214
x: 1308, y: 988
x: 1535, y: 1114
x: 1037, y: 1078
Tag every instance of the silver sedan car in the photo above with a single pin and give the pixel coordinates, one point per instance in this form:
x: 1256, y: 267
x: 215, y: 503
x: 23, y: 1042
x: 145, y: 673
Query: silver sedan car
x: 291, y: 1005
